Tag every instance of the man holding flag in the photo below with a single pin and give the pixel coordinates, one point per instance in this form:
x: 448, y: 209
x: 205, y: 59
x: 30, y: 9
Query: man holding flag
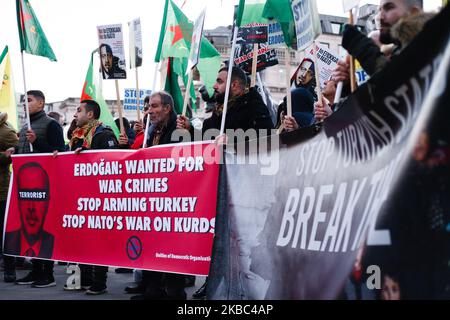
x: 45, y: 136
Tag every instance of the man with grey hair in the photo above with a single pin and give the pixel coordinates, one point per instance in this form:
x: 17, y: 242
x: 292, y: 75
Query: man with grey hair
x: 161, y: 285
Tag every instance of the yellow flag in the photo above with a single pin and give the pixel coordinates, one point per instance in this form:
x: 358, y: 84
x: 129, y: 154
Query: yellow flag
x: 7, y: 93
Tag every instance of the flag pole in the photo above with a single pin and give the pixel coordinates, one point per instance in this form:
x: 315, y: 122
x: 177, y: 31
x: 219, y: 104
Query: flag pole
x: 138, y: 96
x: 155, y: 74
x: 27, y: 110
x: 227, y: 90
x: 187, y: 93
x: 287, y: 61
x: 119, y: 108
x: 353, y: 84
x: 254, y: 65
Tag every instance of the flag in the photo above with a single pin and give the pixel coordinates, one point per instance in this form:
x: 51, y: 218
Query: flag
x: 175, y: 41
x: 92, y: 92
x: 32, y: 37
x: 7, y: 93
x: 250, y: 11
x: 281, y: 11
x: 174, y: 70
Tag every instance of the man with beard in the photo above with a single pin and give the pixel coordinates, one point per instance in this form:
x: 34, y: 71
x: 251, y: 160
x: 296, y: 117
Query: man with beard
x: 246, y: 109
x: 364, y: 49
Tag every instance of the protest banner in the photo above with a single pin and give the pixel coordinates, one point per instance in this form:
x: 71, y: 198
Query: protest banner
x: 112, y: 57
x: 355, y: 207
x: 150, y: 209
x: 307, y: 26
x: 326, y: 62
x: 307, y: 22
x: 194, y: 55
x: 135, y: 48
x: 255, y: 33
x: 131, y: 98
x: 275, y: 37
x: 243, y: 57
x: 135, y: 38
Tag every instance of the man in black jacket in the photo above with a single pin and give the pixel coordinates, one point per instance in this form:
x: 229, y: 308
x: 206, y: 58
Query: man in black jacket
x: 90, y: 134
x: 246, y: 109
x: 45, y: 136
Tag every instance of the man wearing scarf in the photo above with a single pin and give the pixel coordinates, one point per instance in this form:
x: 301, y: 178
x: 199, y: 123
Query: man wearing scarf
x: 91, y: 134
x: 161, y: 285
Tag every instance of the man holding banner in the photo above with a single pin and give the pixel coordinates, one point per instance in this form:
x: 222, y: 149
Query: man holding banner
x: 246, y: 108
x: 91, y: 134
x: 161, y: 285
x: 46, y: 136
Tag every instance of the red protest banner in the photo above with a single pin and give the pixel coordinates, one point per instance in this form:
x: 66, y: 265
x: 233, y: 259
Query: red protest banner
x: 149, y: 209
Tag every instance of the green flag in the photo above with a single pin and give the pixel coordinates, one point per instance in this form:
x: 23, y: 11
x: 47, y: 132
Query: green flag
x: 92, y: 92
x: 175, y: 41
x: 32, y: 37
x: 281, y: 11
x: 172, y: 85
x: 250, y: 11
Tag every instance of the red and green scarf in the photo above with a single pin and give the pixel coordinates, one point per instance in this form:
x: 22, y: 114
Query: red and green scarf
x: 85, y: 133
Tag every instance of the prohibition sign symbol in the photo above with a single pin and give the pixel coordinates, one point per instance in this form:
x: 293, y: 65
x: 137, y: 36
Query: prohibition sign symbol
x: 134, y: 248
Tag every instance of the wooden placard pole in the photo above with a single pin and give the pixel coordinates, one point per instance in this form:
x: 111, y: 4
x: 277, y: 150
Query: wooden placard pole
x: 254, y: 65
x: 138, y: 97
x: 119, y: 108
x: 287, y: 60
x: 353, y: 84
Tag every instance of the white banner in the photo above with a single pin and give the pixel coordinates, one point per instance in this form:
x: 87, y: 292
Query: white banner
x: 130, y: 97
x: 135, y: 43
x: 326, y: 60
x: 349, y: 4
x: 276, y: 38
x: 307, y: 22
x: 196, y: 41
x: 112, y: 57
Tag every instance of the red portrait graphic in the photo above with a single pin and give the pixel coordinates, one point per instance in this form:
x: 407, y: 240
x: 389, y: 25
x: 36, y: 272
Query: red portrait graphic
x: 33, y: 196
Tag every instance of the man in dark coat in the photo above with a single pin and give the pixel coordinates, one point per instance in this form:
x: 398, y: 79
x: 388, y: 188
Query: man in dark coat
x: 45, y: 136
x: 91, y: 134
x: 162, y: 285
x: 246, y: 109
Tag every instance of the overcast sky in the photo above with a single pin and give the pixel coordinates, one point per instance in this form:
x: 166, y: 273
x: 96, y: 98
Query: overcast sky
x: 70, y: 27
